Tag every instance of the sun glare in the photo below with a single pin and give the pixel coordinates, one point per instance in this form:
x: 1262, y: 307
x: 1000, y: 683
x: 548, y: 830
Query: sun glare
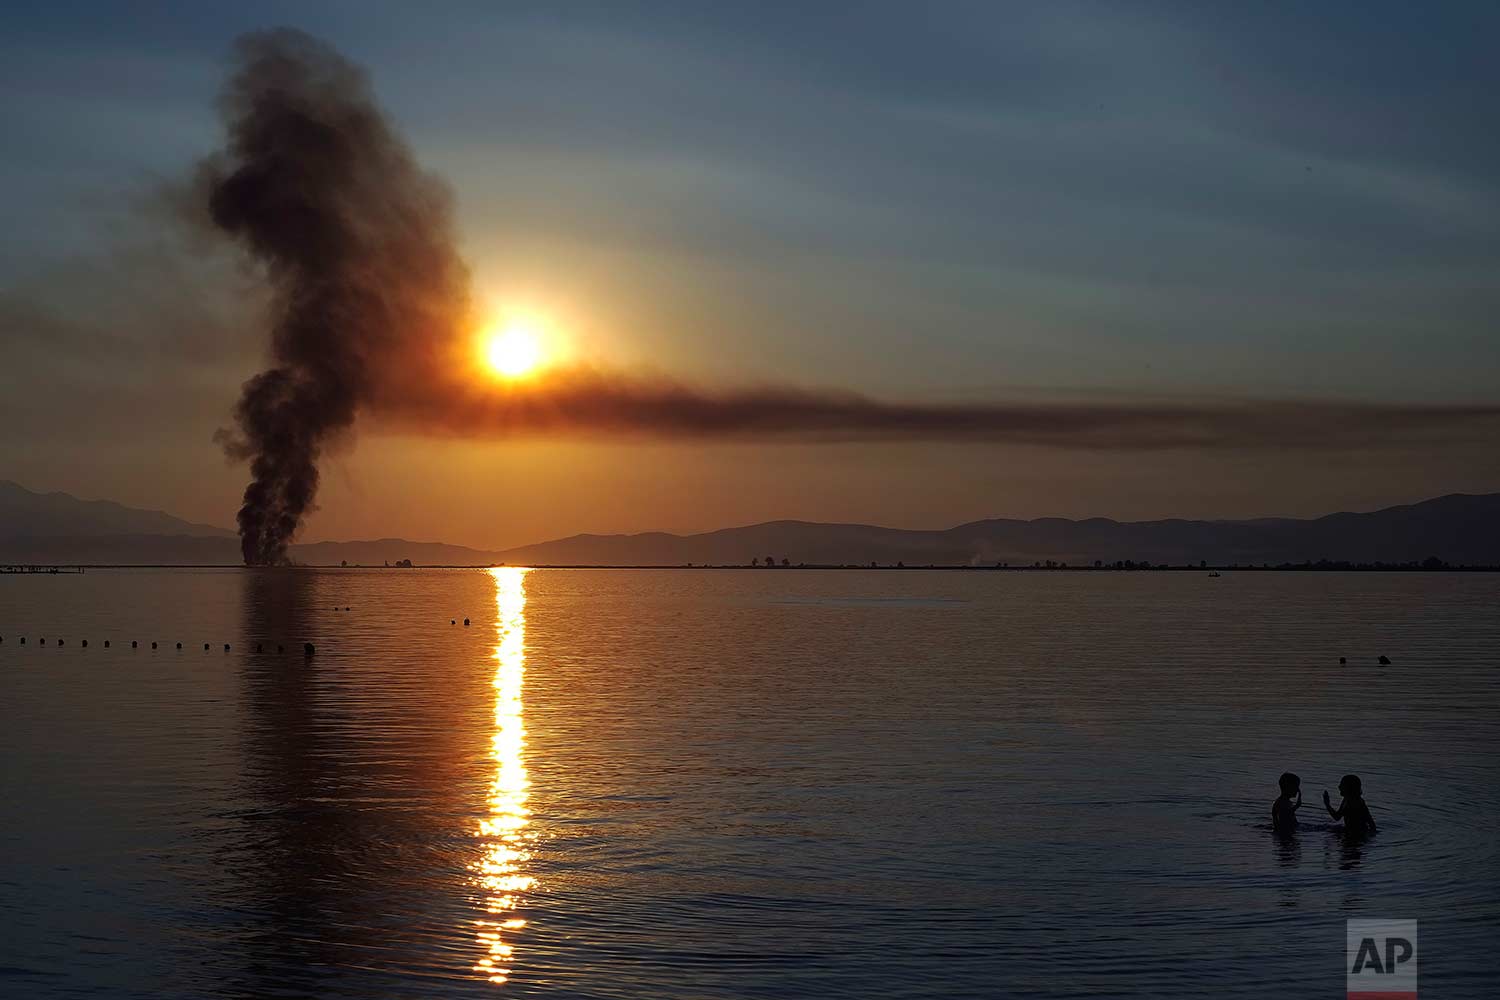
x: 514, y: 350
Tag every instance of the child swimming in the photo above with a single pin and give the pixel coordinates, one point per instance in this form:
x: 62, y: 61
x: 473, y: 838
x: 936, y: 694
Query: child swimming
x: 1284, y: 810
x: 1353, y: 811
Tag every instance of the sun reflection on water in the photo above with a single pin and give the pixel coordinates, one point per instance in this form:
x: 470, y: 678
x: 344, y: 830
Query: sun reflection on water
x: 501, y: 871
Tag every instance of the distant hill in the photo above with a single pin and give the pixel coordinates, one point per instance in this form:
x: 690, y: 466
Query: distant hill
x: 121, y: 550
x: 24, y: 514
x: 186, y: 550
x: 1458, y: 529
x: 59, y: 528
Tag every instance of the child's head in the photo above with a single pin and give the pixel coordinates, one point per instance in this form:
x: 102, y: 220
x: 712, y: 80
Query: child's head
x: 1349, y: 786
x: 1290, y: 784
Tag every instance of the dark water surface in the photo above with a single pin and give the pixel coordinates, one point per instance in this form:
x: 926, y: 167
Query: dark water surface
x: 738, y: 784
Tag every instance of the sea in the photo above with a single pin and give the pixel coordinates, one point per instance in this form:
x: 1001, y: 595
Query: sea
x: 771, y: 783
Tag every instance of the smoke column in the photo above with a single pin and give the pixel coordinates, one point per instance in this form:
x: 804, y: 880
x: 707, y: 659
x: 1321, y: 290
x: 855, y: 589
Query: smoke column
x: 370, y: 315
x: 356, y: 243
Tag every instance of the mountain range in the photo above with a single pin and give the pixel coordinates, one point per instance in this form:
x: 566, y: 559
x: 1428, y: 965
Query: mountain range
x: 1459, y: 529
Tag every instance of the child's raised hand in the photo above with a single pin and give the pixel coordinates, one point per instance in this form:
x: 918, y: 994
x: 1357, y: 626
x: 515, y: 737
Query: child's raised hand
x: 1325, y: 796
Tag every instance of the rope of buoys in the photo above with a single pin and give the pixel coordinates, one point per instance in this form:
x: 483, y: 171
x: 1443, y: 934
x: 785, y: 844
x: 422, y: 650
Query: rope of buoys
x: 308, y: 649
x: 260, y: 647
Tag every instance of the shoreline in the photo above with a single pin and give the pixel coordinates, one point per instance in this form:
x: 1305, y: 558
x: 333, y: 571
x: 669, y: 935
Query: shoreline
x: 74, y: 569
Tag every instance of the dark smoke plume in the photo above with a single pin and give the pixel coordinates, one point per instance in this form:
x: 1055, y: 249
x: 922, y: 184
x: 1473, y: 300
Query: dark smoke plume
x: 371, y: 316
x: 356, y: 243
x: 590, y: 401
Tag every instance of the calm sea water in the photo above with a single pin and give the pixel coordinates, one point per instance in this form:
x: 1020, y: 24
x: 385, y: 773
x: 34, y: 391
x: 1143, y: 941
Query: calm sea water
x: 738, y: 783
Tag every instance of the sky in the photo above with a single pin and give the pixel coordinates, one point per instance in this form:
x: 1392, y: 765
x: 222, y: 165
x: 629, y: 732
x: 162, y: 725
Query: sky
x: 949, y: 202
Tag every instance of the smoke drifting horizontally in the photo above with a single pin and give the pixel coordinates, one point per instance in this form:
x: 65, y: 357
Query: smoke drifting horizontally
x: 371, y: 315
x: 592, y: 401
x: 356, y: 243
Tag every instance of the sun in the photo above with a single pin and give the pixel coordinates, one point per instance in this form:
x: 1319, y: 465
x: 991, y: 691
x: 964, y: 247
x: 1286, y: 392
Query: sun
x: 514, y: 350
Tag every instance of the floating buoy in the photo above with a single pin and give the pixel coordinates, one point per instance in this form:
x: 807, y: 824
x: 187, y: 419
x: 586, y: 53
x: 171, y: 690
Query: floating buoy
x: 226, y: 647
x: 42, y: 642
x: 179, y: 645
x: 153, y: 645
x: 452, y: 621
x: 257, y: 647
x: 466, y: 623
x: 59, y: 642
x: 1342, y: 661
x: 308, y: 649
x: 23, y: 640
x: 205, y: 647
x: 132, y: 643
x: 280, y: 648
x: 1385, y: 661
x: 106, y: 643
x: 85, y: 644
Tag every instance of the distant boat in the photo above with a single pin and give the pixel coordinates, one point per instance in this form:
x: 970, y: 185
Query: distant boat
x: 1214, y: 573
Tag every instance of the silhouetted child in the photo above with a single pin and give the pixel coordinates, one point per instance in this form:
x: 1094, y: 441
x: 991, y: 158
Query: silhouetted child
x: 1284, y: 811
x: 1353, y: 811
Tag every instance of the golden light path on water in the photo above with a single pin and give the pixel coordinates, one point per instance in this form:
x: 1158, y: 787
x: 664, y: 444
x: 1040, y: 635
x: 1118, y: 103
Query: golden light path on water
x: 502, y: 869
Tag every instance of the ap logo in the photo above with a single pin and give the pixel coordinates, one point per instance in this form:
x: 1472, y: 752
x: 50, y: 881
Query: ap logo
x: 1380, y: 959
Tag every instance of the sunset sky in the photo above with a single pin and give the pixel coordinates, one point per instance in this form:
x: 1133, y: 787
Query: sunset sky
x: 1059, y: 202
